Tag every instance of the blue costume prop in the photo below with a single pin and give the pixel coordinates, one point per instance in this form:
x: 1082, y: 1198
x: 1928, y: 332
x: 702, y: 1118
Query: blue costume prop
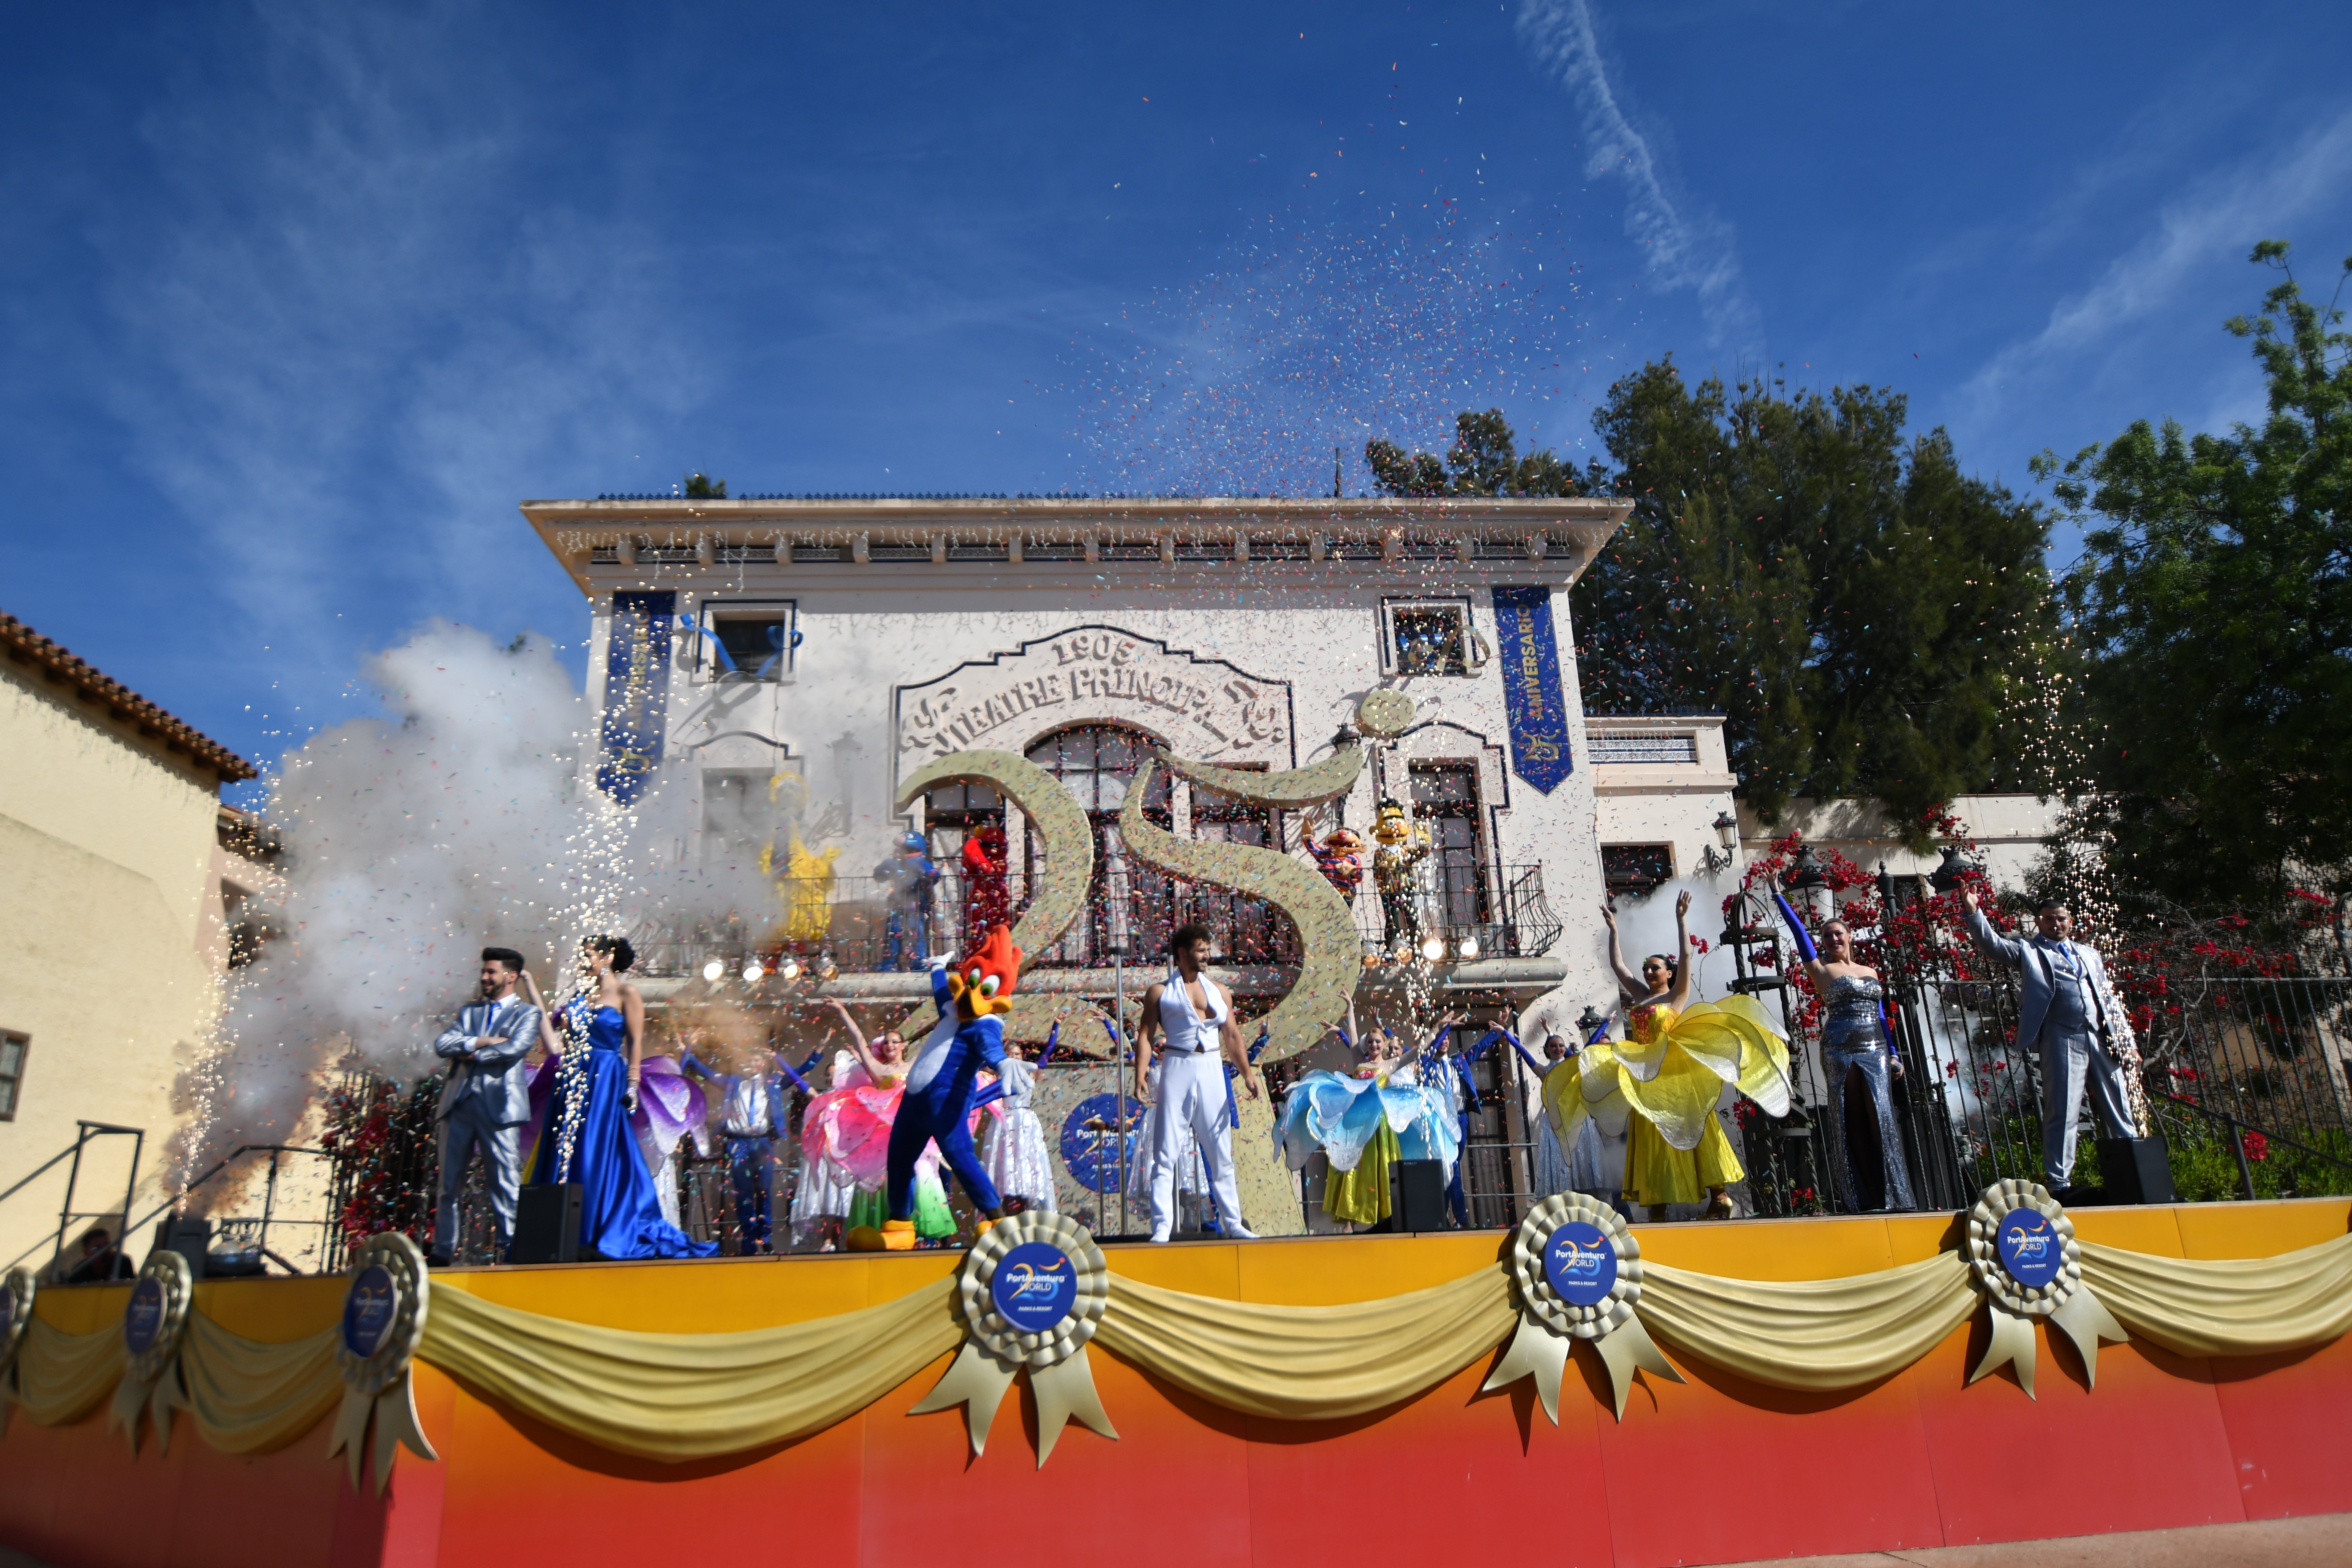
x: 909, y: 875
x: 938, y: 1103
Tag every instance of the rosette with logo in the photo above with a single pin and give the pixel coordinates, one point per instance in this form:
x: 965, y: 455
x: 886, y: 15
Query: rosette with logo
x: 2022, y: 1253
x: 1031, y: 1293
x: 382, y: 1323
x: 16, y: 1319
x: 154, y: 1321
x: 1578, y: 1272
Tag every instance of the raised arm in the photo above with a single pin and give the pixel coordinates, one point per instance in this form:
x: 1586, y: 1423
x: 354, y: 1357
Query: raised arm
x: 1990, y: 943
x: 549, y: 1040
x: 857, y: 1046
x: 1809, y: 957
x: 1678, y: 994
x: 1627, y: 981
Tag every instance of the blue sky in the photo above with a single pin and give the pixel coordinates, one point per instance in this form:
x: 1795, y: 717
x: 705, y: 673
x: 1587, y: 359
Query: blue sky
x: 301, y: 301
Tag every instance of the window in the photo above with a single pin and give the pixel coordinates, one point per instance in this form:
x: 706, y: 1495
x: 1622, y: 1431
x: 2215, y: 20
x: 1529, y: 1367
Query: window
x: 1429, y: 637
x: 746, y: 640
x: 1445, y: 802
x: 13, y: 1047
x: 1636, y: 869
x: 1096, y: 763
x: 953, y: 812
x: 1639, y: 747
x: 743, y: 809
x: 1246, y: 930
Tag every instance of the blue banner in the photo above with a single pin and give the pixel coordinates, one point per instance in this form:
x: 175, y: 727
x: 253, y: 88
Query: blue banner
x: 1531, y: 691
x: 637, y: 693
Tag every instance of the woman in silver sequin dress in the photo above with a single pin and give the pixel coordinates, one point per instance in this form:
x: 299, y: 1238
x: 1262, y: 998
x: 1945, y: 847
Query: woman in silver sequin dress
x: 1861, y: 1066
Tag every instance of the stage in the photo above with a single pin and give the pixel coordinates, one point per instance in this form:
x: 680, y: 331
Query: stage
x: 1717, y: 1468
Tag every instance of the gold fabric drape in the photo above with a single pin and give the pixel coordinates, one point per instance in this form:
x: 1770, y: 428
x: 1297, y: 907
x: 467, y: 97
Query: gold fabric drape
x: 689, y: 1396
x: 1809, y: 1334
x: 248, y: 1397
x: 675, y: 1397
x: 62, y: 1377
x: 1305, y: 1363
x: 2226, y: 1306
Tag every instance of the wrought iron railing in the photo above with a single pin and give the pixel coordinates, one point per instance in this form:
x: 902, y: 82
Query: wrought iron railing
x: 1473, y: 909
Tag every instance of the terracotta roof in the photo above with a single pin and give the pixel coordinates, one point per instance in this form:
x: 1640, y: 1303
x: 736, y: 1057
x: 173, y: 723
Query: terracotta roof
x: 24, y: 646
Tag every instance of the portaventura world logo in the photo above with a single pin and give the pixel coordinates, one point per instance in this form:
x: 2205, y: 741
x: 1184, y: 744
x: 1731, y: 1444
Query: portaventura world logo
x: 1026, y: 1281
x: 2029, y: 1247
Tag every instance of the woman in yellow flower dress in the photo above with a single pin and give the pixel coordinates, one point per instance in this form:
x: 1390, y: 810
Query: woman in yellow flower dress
x: 1665, y: 1077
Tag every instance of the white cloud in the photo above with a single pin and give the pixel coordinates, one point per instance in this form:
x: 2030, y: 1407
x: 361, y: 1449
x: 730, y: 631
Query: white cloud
x: 1686, y: 249
x: 349, y: 335
x: 2216, y: 221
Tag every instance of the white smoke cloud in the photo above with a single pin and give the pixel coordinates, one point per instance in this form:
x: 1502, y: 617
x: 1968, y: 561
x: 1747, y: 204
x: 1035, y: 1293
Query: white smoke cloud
x: 461, y: 818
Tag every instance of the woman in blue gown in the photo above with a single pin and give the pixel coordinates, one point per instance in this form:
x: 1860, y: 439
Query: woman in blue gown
x: 587, y: 1138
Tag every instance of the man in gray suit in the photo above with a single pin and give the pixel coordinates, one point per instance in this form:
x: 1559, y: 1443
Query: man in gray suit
x: 486, y: 1100
x: 2067, y: 1009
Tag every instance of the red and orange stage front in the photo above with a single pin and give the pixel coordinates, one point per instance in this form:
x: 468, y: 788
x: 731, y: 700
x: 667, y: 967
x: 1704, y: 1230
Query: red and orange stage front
x: 1716, y: 1468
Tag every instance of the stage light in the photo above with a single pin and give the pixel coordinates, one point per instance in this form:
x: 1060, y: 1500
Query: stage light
x: 751, y: 973
x: 1468, y: 947
x: 713, y: 970
x: 790, y: 971
x: 1433, y: 950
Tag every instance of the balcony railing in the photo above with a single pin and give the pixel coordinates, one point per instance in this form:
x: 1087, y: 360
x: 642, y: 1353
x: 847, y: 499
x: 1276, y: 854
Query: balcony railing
x: 1498, y: 912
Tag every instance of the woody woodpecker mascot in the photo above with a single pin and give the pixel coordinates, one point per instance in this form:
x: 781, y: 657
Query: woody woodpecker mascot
x: 937, y: 1105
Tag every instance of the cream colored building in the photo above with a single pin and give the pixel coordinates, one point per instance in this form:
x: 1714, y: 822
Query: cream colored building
x: 1666, y: 793
x: 120, y: 863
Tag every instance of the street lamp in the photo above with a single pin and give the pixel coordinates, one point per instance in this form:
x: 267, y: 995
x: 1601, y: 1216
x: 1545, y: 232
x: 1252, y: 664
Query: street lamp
x: 1589, y: 1024
x: 1726, y: 833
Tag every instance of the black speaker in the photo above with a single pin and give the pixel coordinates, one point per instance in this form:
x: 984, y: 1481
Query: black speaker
x: 1420, y: 1194
x: 547, y: 1224
x: 191, y: 1238
x: 2136, y: 1171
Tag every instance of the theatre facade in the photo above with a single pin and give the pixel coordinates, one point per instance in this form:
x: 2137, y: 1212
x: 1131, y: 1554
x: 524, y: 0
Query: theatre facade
x: 781, y: 668
x: 791, y: 662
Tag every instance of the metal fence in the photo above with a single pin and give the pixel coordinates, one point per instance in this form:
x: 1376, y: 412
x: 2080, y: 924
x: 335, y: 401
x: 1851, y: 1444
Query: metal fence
x: 2245, y: 1077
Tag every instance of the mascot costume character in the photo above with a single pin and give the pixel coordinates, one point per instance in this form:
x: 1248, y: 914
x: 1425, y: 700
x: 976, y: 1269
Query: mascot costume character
x: 938, y: 1103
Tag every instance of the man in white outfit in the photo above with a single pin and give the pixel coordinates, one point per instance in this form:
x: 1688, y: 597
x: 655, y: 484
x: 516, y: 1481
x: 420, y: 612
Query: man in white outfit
x: 1195, y: 1020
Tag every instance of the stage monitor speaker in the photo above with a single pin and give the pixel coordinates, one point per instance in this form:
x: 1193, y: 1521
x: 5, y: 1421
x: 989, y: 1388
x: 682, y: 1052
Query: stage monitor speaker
x: 547, y: 1224
x: 2136, y: 1171
x: 1420, y: 1194
x: 191, y: 1238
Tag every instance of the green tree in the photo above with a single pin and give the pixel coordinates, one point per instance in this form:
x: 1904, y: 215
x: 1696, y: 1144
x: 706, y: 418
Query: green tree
x: 2216, y: 605
x: 1863, y: 613
x: 1482, y: 461
x: 1866, y: 615
x: 702, y: 487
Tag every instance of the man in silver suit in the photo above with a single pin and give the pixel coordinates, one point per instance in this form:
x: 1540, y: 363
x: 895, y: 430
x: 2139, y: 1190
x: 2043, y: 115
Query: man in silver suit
x: 2068, y: 1010
x: 486, y: 1102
